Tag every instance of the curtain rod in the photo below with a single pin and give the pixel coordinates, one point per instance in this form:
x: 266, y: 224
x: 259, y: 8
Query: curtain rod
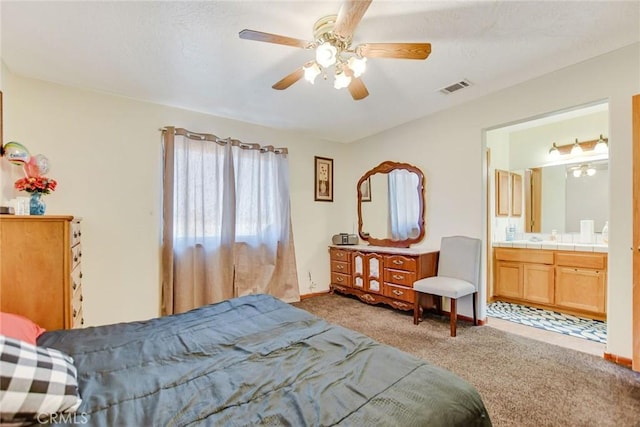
x: 222, y: 141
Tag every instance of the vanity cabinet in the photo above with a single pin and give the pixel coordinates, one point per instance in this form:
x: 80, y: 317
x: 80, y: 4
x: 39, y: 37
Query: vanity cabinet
x: 566, y: 281
x: 380, y: 275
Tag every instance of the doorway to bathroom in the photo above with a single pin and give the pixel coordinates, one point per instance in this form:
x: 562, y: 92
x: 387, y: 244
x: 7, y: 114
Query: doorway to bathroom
x: 547, y: 205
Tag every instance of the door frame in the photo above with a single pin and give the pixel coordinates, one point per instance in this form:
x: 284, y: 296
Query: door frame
x: 635, y: 331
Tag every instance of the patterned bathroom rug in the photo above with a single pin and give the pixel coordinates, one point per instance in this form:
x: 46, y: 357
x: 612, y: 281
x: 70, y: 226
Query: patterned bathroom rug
x: 593, y: 330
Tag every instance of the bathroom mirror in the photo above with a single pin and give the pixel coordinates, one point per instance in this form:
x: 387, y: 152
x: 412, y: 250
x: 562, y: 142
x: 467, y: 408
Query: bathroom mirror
x: 562, y: 195
x: 391, y: 205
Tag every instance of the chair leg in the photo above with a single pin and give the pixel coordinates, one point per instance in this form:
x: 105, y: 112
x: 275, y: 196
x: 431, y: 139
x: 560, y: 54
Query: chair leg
x: 437, y: 299
x: 475, y: 311
x: 454, y: 317
x: 416, y: 309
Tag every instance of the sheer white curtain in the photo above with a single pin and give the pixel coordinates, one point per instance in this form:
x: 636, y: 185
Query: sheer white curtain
x: 226, y: 222
x: 404, y: 206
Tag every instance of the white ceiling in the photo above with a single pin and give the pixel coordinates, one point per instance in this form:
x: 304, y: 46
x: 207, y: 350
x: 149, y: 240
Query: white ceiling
x: 188, y: 54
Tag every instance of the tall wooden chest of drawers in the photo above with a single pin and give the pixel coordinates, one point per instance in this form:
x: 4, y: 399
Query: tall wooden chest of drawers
x: 40, y: 269
x: 378, y: 274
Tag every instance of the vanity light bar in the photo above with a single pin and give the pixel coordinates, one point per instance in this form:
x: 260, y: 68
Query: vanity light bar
x: 585, y: 145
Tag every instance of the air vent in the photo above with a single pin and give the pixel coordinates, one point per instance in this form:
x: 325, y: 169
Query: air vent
x: 456, y: 86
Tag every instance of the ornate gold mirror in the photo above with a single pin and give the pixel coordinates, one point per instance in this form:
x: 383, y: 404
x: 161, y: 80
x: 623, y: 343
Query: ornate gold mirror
x: 391, y: 205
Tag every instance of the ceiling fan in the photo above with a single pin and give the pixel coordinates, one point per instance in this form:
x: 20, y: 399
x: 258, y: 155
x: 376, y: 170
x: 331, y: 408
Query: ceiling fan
x: 332, y: 43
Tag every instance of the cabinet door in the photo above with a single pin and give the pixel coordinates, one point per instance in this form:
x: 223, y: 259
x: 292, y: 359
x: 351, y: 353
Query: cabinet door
x: 538, y: 283
x: 581, y: 289
x: 359, y: 264
x: 502, y: 193
x: 373, y: 280
x: 509, y: 279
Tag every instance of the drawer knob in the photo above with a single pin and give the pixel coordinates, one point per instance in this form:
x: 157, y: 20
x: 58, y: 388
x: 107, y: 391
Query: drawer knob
x: 397, y: 262
x: 397, y: 292
x: 397, y: 277
x: 339, y: 279
x: 340, y: 267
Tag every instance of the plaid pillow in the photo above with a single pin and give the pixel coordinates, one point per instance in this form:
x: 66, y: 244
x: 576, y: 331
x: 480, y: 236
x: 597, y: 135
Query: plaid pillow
x: 35, y: 381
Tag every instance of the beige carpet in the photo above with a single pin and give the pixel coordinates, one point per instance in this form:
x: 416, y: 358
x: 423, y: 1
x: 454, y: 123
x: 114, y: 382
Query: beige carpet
x: 522, y: 382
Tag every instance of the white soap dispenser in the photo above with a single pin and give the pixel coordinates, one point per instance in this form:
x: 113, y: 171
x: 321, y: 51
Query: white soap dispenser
x: 605, y: 233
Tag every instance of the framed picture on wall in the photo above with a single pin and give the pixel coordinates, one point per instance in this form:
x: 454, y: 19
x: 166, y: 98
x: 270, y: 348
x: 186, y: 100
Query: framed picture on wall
x: 323, y: 179
x: 365, y: 189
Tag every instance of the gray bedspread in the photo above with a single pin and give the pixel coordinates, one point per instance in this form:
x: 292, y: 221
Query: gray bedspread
x: 252, y: 361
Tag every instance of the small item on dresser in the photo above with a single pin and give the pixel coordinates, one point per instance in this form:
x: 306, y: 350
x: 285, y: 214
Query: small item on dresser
x: 554, y: 235
x: 344, y: 239
x: 7, y: 210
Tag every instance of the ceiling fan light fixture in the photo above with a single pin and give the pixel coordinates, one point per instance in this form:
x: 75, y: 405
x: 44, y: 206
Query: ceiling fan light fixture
x: 326, y: 54
x: 311, y: 72
x: 357, y: 65
x: 342, y: 80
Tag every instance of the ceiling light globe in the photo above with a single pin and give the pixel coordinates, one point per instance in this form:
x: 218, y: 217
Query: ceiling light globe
x: 342, y: 81
x: 577, y: 173
x: 357, y: 65
x: 311, y: 72
x: 591, y: 171
x: 326, y: 54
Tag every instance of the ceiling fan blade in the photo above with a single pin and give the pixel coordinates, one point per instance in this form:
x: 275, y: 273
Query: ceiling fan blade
x: 349, y: 16
x: 289, y: 80
x: 357, y: 89
x: 394, y: 50
x: 273, y: 38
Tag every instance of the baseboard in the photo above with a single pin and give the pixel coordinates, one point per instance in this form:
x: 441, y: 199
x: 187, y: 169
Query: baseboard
x: 624, y: 361
x: 315, y: 294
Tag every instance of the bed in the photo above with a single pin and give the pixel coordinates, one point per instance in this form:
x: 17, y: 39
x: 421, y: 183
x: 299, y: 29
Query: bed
x: 252, y: 361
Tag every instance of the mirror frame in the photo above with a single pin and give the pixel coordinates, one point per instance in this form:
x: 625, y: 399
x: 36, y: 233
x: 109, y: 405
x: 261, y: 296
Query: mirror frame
x: 386, y: 167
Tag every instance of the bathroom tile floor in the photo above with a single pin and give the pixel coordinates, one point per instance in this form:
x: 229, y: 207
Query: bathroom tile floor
x: 556, y: 338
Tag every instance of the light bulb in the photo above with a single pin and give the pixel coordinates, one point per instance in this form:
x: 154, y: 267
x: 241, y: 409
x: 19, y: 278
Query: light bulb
x: 576, y: 149
x: 591, y: 171
x: 357, y: 65
x: 577, y: 173
x: 326, y: 54
x: 311, y: 72
x: 342, y: 80
x: 554, y: 153
x: 601, y: 146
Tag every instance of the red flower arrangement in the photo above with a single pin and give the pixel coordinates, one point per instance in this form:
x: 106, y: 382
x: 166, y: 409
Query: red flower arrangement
x: 36, y: 184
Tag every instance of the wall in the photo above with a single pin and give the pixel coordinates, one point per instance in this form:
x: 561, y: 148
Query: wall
x: 105, y: 152
x: 448, y: 147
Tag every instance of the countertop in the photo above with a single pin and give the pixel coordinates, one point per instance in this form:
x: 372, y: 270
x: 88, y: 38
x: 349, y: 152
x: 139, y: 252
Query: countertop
x: 548, y: 244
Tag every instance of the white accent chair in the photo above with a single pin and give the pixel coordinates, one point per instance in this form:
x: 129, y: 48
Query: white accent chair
x: 458, y: 276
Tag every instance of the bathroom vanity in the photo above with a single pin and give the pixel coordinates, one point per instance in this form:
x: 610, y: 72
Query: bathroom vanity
x: 570, y: 279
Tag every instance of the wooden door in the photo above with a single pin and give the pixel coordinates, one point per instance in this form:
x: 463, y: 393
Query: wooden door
x: 373, y: 282
x: 532, y: 200
x: 502, y: 193
x: 580, y: 289
x: 516, y: 194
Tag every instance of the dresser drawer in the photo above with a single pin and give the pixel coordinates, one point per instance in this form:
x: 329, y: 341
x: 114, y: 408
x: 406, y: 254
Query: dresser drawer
x: 399, y: 292
x: 76, y: 255
x: 76, y: 278
x: 341, y: 267
x: 341, y: 279
x: 399, y: 277
x: 75, y: 233
x: 399, y: 262
x: 340, y: 255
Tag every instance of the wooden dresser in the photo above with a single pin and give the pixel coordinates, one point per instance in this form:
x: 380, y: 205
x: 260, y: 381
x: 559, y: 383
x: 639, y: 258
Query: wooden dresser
x: 40, y: 269
x: 378, y: 274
